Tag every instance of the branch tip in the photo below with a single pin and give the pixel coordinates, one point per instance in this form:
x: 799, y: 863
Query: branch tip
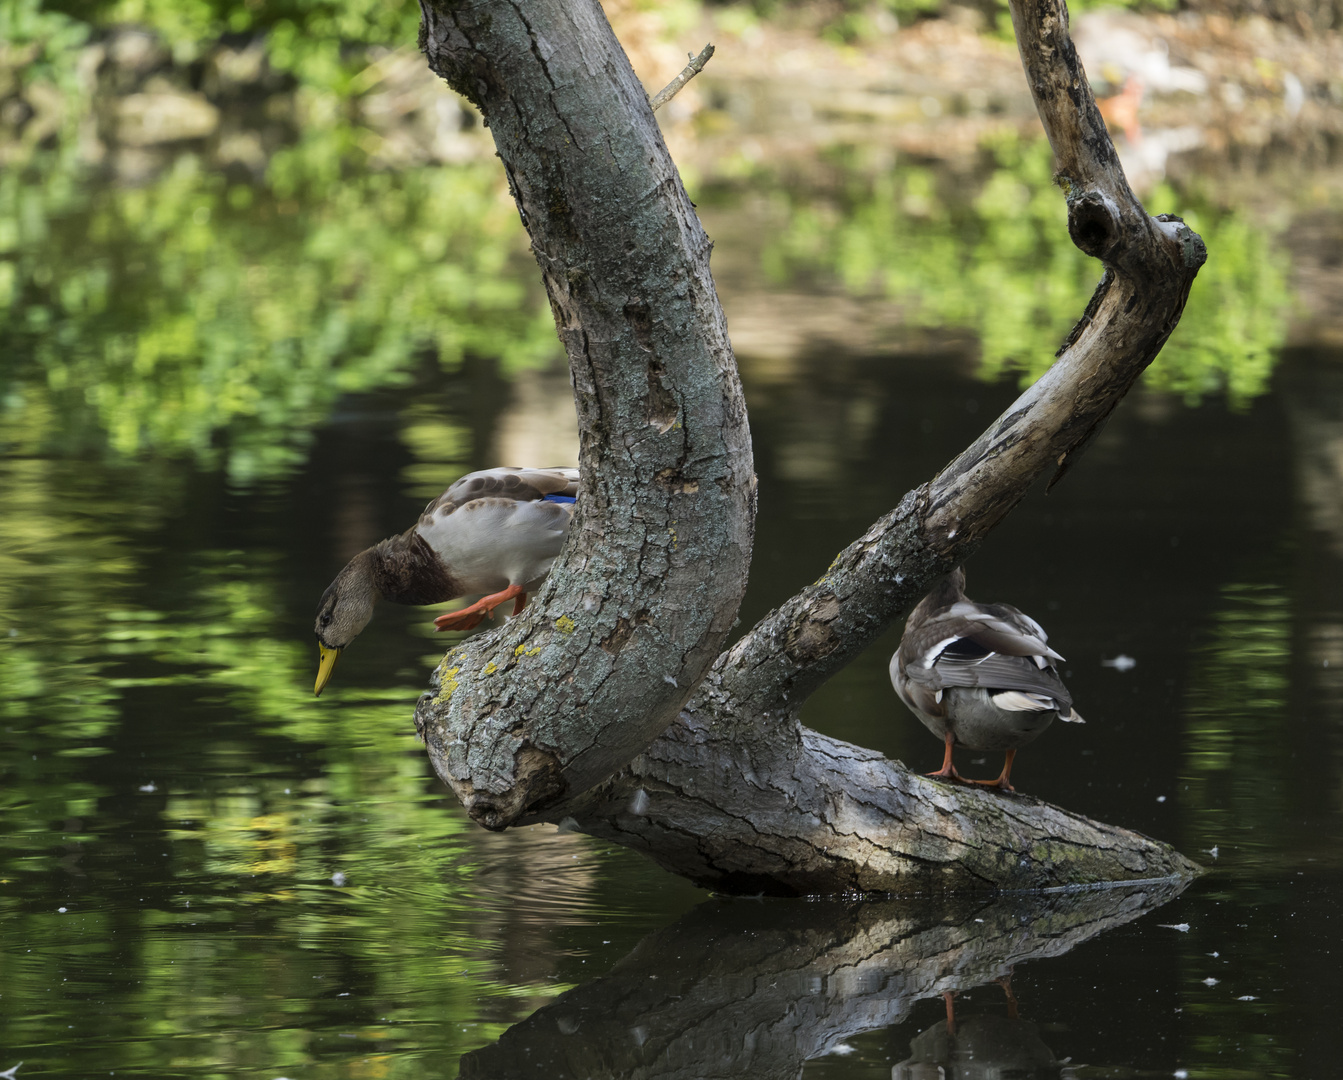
x: 691, y: 69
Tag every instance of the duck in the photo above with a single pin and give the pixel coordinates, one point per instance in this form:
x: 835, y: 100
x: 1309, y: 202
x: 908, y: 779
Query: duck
x: 496, y: 532
x: 980, y: 676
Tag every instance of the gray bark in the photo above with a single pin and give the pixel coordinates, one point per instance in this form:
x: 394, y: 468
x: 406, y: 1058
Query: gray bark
x: 742, y: 989
x: 647, y: 588
x: 735, y: 793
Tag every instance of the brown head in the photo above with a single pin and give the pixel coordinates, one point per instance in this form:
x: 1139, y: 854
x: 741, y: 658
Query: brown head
x: 346, y: 607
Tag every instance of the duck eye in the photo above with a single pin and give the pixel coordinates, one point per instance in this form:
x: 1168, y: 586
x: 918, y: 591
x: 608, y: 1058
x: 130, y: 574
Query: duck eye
x: 325, y: 620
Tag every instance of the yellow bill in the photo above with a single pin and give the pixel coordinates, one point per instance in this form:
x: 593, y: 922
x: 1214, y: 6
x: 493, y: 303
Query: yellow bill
x: 325, y: 666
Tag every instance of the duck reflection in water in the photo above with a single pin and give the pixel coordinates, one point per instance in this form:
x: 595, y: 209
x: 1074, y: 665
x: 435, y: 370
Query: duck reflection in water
x: 980, y: 676
x: 981, y: 1046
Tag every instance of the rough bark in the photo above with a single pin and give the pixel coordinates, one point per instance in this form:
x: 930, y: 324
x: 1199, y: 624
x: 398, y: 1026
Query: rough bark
x: 794, y: 981
x: 785, y: 811
x: 736, y: 793
x: 628, y: 621
x: 822, y: 816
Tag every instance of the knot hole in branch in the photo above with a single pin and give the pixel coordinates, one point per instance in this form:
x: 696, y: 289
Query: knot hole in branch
x: 1092, y: 224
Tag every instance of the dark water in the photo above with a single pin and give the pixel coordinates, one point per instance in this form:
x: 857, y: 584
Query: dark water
x: 206, y: 872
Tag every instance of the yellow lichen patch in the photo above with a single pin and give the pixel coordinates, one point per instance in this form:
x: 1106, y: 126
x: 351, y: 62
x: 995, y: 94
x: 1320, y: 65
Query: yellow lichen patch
x: 490, y: 668
x: 522, y: 650
x: 833, y: 563
x: 447, y: 680
x: 671, y: 531
x: 565, y: 625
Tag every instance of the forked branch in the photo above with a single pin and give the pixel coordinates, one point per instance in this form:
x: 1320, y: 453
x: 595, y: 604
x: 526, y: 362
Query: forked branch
x: 531, y: 721
x: 737, y: 793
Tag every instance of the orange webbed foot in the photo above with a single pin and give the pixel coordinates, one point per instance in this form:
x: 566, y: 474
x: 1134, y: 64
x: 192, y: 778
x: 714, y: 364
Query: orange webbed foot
x: 948, y: 770
x: 470, y: 617
x: 1001, y: 783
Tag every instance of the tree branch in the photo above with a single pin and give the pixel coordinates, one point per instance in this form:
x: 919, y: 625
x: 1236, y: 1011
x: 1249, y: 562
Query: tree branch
x: 688, y: 72
x: 626, y: 624
x: 871, y: 824
x: 532, y: 721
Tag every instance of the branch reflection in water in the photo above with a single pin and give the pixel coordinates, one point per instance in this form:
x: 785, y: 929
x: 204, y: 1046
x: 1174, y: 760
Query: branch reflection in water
x: 746, y: 988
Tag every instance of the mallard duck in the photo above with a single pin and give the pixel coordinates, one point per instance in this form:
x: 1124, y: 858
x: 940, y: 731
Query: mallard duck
x: 496, y: 532
x: 978, y: 675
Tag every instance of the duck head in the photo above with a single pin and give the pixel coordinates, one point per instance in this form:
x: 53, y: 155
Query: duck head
x: 346, y: 607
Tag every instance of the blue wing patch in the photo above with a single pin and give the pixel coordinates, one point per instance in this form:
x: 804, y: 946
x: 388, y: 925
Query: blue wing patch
x: 559, y: 498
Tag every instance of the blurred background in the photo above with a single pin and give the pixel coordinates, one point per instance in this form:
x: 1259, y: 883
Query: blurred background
x: 263, y: 293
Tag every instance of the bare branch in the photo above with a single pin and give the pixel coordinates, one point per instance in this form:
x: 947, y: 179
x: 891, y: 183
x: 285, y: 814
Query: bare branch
x: 534, y: 720
x: 1150, y: 264
x: 793, y: 810
x: 688, y: 72
x: 779, y: 809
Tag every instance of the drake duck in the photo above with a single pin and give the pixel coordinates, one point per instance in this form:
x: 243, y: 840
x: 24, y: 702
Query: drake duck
x: 495, y: 532
x: 980, y: 676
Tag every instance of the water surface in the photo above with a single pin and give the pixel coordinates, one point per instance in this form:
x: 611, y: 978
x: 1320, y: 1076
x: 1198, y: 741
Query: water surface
x: 205, y: 871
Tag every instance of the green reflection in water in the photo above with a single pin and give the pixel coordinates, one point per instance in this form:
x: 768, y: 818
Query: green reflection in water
x: 1243, y: 808
x: 994, y: 256
x: 194, y: 316
x: 67, y: 559
x: 170, y: 782
x: 237, y: 949
x: 1238, y: 756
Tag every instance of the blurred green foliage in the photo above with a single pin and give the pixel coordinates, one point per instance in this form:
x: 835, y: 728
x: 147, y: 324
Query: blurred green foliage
x: 217, y: 312
x: 996, y: 258
x: 316, y: 40
x: 44, y: 40
x: 220, y: 315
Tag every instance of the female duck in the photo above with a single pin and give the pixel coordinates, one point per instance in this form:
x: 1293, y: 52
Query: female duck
x: 978, y: 675
x: 495, y: 532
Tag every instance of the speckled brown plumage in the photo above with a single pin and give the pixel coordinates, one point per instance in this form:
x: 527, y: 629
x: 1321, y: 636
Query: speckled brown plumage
x: 520, y: 486
x: 406, y: 571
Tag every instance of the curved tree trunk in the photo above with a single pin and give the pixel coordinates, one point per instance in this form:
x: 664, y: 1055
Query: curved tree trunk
x: 736, y: 793
x: 628, y: 621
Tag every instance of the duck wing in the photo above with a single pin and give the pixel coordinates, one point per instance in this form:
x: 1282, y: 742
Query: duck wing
x: 993, y: 647
x: 516, y: 485
x: 999, y: 628
x: 966, y: 662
